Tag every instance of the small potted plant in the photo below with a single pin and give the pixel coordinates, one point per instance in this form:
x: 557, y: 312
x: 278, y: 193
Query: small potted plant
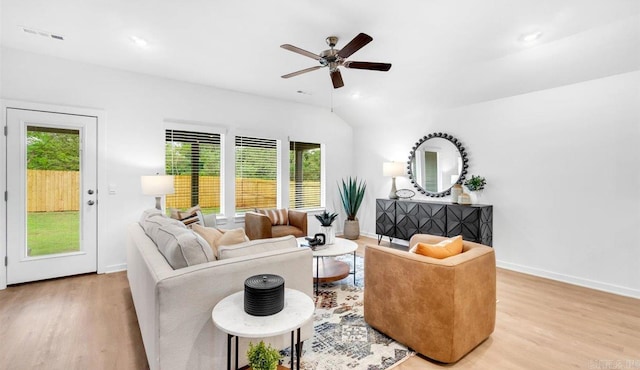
x: 262, y: 357
x: 475, y: 185
x: 326, y: 220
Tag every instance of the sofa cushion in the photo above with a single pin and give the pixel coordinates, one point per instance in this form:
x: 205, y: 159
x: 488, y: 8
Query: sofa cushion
x: 182, y: 247
x: 257, y: 246
x: 446, y: 248
x: 277, y: 216
x: 154, y: 222
x: 151, y: 212
x: 282, y: 230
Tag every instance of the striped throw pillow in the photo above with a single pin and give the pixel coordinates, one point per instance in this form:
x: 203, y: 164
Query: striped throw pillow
x: 277, y: 216
x: 191, y: 216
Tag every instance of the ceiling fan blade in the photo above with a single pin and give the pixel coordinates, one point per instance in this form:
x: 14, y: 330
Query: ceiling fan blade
x: 292, y: 74
x: 336, y: 78
x: 301, y: 51
x: 354, y: 45
x: 368, y: 65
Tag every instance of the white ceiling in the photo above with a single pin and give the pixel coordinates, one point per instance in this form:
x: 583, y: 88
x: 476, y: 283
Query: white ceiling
x: 444, y: 53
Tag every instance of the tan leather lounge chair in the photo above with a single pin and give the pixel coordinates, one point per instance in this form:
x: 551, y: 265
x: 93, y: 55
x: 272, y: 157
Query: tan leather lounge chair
x: 441, y: 308
x: 259, y: 226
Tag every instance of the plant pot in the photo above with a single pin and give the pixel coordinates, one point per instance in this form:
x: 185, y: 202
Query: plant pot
x: 329, y: 233
x: 351, y: 229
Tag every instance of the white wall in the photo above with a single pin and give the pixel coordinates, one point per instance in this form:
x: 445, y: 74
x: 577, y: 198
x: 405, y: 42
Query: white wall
x: 563, y: 173
x: 136, y: 107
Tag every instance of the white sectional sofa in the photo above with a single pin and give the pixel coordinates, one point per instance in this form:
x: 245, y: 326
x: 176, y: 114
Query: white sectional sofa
x: 174, y: 306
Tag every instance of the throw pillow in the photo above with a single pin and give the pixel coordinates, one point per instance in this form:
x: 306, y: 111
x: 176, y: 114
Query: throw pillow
x: 277, y: 216
x: 232, y: 237
x: 191, y: 216
x: 446, y: 248
x: 182, y: 247
x: 211, y: 235
x: 217, y: 238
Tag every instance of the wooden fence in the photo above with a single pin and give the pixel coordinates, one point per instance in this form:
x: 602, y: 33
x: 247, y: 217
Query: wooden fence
x: 250, y: 193
x: 54, y: 191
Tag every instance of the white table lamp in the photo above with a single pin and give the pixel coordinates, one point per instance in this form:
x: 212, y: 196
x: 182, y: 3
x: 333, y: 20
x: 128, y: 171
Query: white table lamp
x: 157, y: 185
x: 393, y: 170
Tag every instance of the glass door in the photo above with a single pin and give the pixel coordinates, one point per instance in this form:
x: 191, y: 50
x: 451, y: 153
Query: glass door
x: 51, y: 178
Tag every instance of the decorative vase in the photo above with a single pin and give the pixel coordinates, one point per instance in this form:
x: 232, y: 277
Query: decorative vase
x: 476, y: 196
x: 464, y: 199
x: 351, y: 229
x: 456, y: 191
x: 329, y: 234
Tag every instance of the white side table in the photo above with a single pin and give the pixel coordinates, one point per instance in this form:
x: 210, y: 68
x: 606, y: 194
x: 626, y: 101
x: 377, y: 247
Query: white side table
x: 333, y: 270
x: 229, y: 316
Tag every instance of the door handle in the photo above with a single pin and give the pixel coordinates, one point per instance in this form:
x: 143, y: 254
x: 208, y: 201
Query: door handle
x: 91, y: 202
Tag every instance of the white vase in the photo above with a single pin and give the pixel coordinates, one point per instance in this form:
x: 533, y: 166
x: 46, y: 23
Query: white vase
x: 456, y: 191
x: 329, y: 234
x: 476, y: 196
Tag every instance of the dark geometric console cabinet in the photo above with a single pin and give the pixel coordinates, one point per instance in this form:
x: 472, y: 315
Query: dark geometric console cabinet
x: 403, y: 218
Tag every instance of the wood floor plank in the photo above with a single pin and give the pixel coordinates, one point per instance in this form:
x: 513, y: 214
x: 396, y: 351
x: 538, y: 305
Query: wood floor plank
x: 89, y: 322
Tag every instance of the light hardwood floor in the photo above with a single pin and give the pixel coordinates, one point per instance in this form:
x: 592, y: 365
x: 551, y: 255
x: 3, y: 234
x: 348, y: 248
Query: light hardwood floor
x: 88, y: 322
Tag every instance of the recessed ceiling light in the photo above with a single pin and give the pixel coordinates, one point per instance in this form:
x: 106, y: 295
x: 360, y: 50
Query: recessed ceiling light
x: 355, y: 95
x: 139, y: 41
x: 530, y: 37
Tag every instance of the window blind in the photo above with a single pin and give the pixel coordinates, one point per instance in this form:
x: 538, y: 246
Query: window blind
x: 193, y: 158
x: 304, y: 175
x: 256, y: 173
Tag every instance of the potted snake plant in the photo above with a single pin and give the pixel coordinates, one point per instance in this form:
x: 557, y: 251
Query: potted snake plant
x: 352, y: 194
x: 326, y: 220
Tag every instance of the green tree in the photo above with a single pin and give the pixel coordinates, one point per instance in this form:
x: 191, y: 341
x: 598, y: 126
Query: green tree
x: 54, y: 151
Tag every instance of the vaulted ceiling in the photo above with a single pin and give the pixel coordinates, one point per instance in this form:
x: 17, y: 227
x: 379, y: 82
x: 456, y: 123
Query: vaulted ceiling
x: 444, y: 53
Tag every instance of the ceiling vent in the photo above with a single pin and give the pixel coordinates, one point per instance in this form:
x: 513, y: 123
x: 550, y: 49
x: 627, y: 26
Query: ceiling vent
x: 42, y: 33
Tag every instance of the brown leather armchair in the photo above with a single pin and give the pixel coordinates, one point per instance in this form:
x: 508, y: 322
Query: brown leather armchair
x: 441, y: 308
x: 258, y: 225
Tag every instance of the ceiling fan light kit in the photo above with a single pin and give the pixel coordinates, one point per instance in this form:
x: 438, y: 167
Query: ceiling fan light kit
x: 334, y: 58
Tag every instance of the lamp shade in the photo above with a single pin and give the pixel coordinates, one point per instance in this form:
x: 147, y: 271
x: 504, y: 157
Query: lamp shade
x: 157, y: 185
x: 393, y: 169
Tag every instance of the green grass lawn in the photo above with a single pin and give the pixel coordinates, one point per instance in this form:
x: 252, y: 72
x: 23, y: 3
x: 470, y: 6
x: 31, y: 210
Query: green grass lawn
x: 52, y: 232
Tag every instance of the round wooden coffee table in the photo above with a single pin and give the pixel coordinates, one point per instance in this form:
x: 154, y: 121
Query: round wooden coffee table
x: 328, y: 270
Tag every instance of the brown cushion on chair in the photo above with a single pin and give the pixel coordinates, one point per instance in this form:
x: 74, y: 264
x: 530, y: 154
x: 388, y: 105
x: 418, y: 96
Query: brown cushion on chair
x: 282, y: 230
x: 277, y: 216
x: 446, y: 248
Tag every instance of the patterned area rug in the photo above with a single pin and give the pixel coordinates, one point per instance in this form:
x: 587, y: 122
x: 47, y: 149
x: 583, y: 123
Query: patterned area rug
x: 342, y: 339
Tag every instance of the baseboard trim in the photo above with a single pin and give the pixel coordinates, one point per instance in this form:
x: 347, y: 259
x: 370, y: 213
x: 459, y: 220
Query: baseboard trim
x: 395, y: 240
x: 115, y: 268
x: 591, y: 284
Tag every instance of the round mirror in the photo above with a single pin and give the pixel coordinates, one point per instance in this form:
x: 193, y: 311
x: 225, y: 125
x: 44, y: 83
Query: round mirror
x: 436, y: 163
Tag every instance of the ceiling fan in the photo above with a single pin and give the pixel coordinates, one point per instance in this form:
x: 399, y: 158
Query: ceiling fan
x: 334, y: 58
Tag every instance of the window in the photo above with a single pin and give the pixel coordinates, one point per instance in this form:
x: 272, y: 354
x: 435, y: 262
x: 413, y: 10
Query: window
x: 256, y: 173
x: 193, y: 158
x: 304, y: 175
